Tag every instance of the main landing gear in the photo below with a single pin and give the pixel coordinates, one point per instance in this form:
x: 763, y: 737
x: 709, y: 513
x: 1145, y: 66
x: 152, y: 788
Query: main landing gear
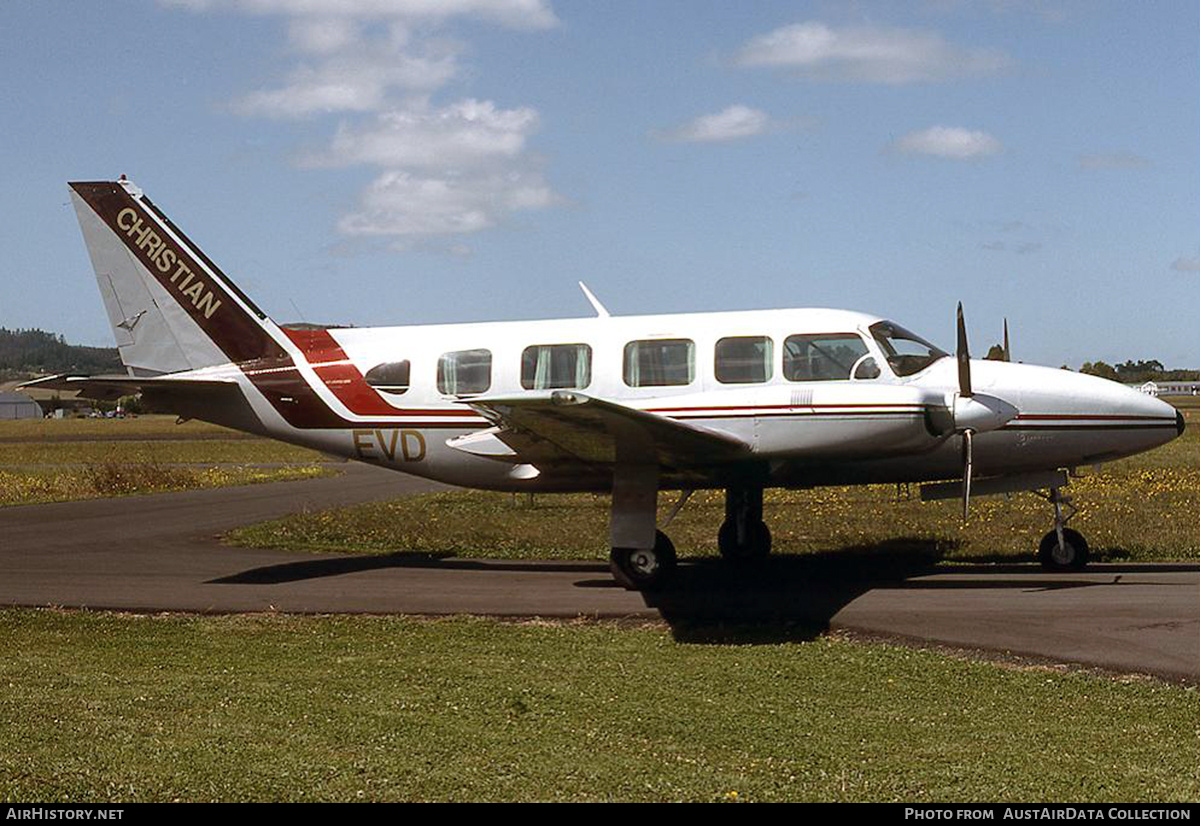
x: 743, y: 537
x: 644, y: 569
x: 1062, y: 549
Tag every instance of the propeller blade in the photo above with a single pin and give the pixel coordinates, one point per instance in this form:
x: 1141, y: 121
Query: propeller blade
x: 968, y: 469
x: 1007, y: 352
x: 964, y: 357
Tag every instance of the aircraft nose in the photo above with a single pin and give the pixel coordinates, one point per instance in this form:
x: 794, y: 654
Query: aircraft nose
x: 1122, y: 400
x: 1152, y: 406
x: 1079, y: 418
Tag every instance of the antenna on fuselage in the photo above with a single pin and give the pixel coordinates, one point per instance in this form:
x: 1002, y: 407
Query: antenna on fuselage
x: 601, y: 312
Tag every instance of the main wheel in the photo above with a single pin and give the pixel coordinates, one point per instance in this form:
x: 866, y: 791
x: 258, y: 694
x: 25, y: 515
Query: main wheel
x: 1072, y: 555
x: 757, y: 544
x: 638, y: 569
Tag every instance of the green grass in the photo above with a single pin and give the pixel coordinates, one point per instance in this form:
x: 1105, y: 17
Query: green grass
x: 1142, y: 508
x: 121, y: 708
x: 146, y: 427
x: 28, y: 487
x: 57, y: 460
x: 202, y: 451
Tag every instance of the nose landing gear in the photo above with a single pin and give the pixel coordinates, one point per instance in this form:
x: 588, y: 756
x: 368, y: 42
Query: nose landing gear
x: 1062, y: 549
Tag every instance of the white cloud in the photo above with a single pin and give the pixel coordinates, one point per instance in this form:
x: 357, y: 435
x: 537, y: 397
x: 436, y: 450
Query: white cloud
x: 729, y: 124
x: 1186, y: 265
x: 440, y: 169
x: 465, y: 134
x: 951, y: 142
x: 357, y: 73
x: 870, y: 54
x: 522, y: 14
x: 323, y: 35
x: 401, y: 203
x: 1113, y: 160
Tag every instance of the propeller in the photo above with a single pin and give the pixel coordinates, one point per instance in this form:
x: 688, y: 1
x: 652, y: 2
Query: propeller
x: 966, y: 412
x: 974, y: 412
x: 964, y: 358
x: 967, y: 471
x: 963, y: 355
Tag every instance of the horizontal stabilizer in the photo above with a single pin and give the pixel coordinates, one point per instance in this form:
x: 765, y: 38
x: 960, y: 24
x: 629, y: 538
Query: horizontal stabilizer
x: 111, y: 387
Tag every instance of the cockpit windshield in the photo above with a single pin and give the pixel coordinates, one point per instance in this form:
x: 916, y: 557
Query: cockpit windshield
x: 906, y: 353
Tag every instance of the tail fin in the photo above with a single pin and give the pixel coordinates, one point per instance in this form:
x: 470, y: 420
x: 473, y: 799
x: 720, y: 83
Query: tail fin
x: 170, y: 307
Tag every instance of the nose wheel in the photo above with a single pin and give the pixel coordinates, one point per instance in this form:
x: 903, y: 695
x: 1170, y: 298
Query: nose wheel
x: 1067, y: 554
x: 1062, y: 549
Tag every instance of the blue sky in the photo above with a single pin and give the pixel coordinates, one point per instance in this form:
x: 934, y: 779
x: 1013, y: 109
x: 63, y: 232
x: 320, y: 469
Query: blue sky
x: 416, y: 161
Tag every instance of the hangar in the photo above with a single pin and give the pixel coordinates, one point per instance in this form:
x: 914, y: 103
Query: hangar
x: 18, y: 406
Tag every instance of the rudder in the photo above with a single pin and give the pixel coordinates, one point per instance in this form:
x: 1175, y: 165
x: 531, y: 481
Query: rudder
x: 170, y: 307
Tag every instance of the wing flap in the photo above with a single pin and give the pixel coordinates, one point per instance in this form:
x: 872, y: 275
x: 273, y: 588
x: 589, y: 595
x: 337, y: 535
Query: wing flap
x: 571, y: 426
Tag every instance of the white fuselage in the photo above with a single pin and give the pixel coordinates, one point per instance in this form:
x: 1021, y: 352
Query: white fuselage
x: 802, y: 432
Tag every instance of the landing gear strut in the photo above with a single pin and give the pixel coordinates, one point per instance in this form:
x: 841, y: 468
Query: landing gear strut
x: 642, y: 557
x: 744, y: 536
x: 1062, y: 549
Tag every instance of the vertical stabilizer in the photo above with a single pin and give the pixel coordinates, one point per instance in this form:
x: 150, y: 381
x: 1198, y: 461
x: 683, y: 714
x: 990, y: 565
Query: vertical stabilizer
x: 170, y: 307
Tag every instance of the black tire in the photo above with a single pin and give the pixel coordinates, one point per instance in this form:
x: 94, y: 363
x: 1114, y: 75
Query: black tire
x: 756, y: 547
x: 644, y: 570
x: 1073, y: 556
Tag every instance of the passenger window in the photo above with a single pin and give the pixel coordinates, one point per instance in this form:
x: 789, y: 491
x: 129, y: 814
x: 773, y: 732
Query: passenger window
x: 660, y: 362
x: 464, y: 372
x: 827, y: 357
x: 391, y: 377
x: 744, y: 360
x: 553, y: 366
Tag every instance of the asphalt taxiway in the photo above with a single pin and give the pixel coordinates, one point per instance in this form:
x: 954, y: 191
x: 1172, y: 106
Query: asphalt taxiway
x: 161, y: 553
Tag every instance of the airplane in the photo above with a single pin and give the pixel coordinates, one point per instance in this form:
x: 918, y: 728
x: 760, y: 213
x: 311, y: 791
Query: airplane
x: 629, y: 405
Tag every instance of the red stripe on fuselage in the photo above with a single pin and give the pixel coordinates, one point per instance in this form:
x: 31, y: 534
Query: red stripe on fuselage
x: 331, y: 364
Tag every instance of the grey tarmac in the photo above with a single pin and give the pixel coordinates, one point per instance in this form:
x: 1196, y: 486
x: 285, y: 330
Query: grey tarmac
x: 161, y: 553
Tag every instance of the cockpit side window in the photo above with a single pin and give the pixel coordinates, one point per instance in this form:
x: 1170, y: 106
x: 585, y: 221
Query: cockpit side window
x: 827, y: 357
x: 390, y: 377
x: 905, y: 352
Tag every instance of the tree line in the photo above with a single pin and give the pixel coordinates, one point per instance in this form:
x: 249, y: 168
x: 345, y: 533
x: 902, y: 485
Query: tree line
x: 31, y: 352
x: 1136, y: 372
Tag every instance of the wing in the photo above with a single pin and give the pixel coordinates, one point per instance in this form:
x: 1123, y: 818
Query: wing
x: 567, y: 426
x: 110, y: 388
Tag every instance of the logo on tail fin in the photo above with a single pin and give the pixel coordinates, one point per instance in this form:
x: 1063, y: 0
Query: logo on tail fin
x: 131, y: 322
x: 212, y: 302
x: 164, y: 257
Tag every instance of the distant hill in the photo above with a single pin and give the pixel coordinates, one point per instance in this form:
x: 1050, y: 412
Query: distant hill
x: 31, y: 352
